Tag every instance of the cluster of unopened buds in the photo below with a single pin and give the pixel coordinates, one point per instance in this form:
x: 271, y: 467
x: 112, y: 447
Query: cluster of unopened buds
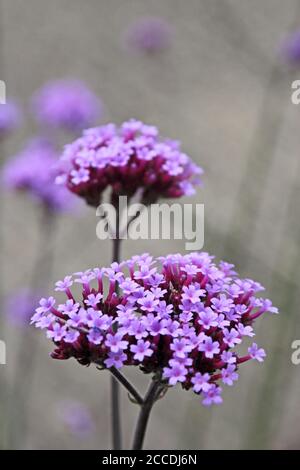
x: 179, y: 317
x: 127, y: 159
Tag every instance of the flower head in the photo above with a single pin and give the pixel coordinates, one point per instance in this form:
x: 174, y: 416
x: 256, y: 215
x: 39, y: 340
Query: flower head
x: 67, y: 104
x: 189, y: 343
x: 149, y: 35
x: 33, y: 171
x: 127, y: 159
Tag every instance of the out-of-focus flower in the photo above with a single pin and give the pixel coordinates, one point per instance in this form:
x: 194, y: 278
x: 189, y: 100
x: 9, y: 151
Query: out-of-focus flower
x: 19, y: 307
x: 126, y: 159
x: 77, y: 418
x: 149, y: 35
x: 33, y: 171
x: 10, y: 116
x: 150, y: 315
x: 290, y: 48
x: 67, y: 104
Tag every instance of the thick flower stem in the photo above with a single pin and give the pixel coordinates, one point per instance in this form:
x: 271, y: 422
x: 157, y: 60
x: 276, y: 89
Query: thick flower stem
x: 144, y: 415
x: 115, y: 389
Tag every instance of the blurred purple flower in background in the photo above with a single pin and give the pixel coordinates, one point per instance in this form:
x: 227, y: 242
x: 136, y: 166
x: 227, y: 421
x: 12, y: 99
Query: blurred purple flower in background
x: 10, y: 117
x: 68, y: 104
x: 149, y: 35
x: 77, y: 418
x: 33, y: 171
x: 19, y: 306
x: 290, y: 48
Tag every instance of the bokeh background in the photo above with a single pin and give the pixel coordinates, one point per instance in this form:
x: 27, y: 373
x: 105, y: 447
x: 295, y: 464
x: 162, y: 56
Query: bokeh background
x: 223, y: 88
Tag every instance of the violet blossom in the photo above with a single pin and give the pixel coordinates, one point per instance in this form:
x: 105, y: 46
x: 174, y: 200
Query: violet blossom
x: 115, y: 328
x: 68, y: 104
x: 149, y: 35
x: 33, y: 171
x: 127, y: 159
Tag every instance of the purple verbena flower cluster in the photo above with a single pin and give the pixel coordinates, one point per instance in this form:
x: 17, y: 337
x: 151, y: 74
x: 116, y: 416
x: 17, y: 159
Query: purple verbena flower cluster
x: 67, y: 104
x: 10, y: 116
x: 130, y: 158
x: 149, y: 35
x: 33, y: 170
x: 178, y: 316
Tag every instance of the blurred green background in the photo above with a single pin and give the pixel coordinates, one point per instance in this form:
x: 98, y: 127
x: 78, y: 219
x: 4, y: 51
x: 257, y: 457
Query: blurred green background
x: 223, y: 90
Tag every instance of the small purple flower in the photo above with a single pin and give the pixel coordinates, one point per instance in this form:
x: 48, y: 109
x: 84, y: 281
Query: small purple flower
x: 212, y: 396
x: 155, y: 326
x: 93, y: 300
x: 208, y: 318
x: 228, y: 357
x: 141, y: 349
x: 69, y: 307
x: 76, y: 318
x: 95, y: 336
x: 172, y: 328
x: 257, y: 353
x: 137, y: 329
x: 164, y: 310
x: 128, y: 286
x: 176, y: 373
x: 148, y: 303
x: 71, y: 336
x: 268, y: 307
x: 116, y: 359
x: 222, y: 304
x: 201, y: 382
x: 229, y: 375
x: 80, y: 176
x: 95, y: 319
x: 222, y: 322
x: 64, y: 285
x: 46, y: 305
x: 44, y: 322
x: 57, y: 333
x: 232, y: 337
x: 209, y: 347
x: 181, y: 347
x: 115, y: 342
x: 192, y: 293
x: 245, y: 330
